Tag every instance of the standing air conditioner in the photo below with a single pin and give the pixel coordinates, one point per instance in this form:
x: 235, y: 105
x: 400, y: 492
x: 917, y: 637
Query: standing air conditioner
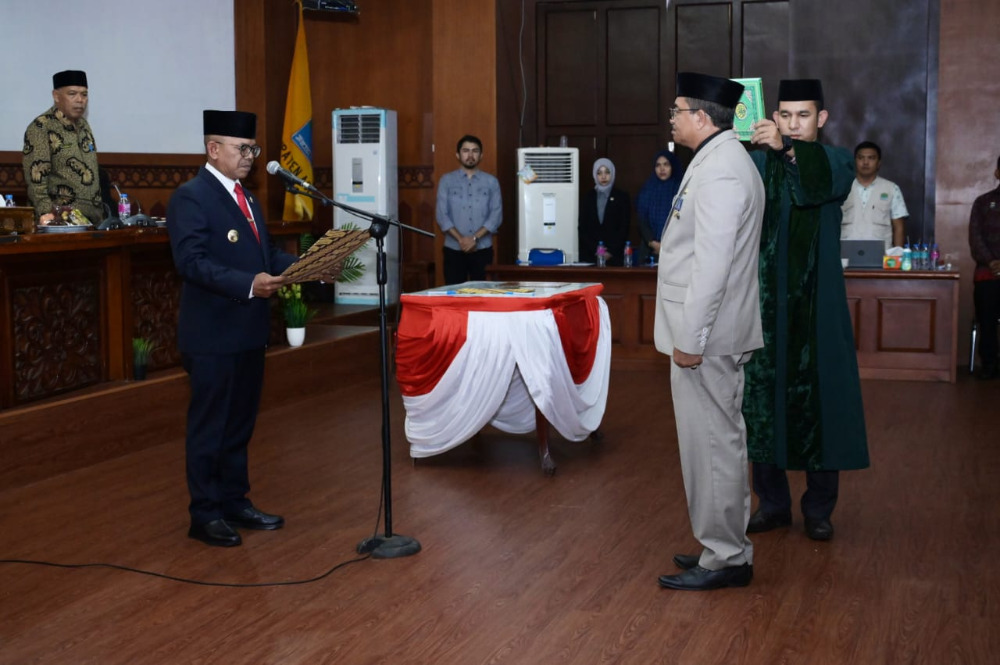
x: 364, y: 177
x: 548, y: 205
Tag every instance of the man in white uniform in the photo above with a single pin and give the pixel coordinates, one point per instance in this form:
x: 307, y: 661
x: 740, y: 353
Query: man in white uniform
x: 708, y: 321
x: 875, y: 209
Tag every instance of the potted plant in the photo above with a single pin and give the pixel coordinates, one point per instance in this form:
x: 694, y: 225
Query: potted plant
x: 297, y: 313
x: 142, y: 349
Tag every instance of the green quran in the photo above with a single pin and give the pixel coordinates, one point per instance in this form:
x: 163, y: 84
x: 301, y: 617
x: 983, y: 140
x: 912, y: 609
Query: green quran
x: 750, y: 108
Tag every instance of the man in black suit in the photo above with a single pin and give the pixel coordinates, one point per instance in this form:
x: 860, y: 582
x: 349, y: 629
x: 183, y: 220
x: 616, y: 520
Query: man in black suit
x: 224, y: 254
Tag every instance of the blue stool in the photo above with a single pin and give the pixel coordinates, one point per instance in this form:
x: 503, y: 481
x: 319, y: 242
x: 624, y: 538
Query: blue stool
x: 546, y: 257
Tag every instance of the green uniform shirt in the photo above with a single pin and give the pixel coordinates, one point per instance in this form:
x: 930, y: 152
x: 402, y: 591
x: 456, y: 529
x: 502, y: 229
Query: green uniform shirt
x: 60, y: 165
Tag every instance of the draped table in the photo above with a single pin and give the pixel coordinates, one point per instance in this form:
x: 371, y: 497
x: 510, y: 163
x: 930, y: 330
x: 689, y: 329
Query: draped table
x: 517, y: 356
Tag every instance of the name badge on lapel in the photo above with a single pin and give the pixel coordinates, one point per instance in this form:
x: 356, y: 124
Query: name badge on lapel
x: 233, y: 235
x: 678, y: 203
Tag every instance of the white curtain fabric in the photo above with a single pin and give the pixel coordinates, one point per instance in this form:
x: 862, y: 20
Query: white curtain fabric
x: 511, y: 363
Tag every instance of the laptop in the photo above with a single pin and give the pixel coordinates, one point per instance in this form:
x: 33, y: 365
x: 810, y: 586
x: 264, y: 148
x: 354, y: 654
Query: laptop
x: 865, y: 254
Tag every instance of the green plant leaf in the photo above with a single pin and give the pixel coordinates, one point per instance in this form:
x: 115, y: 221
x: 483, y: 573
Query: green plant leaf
x: 297, y: 313
x: 142, y: 349
x: 306, y: 240
x: 352, y: 270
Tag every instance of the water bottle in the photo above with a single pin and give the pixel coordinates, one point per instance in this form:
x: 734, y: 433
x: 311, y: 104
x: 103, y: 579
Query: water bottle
x: 907, y: 258
x: 602, y: 255
x: 935, y: 257
x: 628, y: 254
x: 124, y: 206
x: 925, y: 257
x: 8, y: 201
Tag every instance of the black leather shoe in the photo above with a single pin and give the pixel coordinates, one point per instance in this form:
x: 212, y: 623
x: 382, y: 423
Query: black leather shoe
x: 819, y: 529
x: 702, y: 579
x: 686, y: 561
x: 216, y: 533
x: 251, y: 518
x: 761, y: 521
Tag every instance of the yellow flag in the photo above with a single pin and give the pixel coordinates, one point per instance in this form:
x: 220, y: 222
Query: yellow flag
x: 296, y: 136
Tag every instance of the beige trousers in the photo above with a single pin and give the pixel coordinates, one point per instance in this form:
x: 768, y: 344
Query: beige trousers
x: 712, y: 438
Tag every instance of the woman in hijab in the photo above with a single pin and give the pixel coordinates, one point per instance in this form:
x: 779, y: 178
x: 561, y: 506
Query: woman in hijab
x: 654, y: 201
x: 605, y: 216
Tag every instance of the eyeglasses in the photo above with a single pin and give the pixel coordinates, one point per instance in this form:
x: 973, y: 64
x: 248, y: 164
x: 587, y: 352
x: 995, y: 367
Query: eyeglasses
x: 674, y: 111
x: 246, y: 150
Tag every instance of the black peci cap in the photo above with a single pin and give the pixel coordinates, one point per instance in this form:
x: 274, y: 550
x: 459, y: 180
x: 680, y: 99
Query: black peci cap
x: 800, y: 90
x: 709, y: 88
x: 69, y: 77
x: 238, y: 124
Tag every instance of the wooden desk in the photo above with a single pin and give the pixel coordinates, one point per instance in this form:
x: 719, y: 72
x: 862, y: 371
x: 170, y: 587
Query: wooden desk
x: 70, y: 305
x: 905, y: 323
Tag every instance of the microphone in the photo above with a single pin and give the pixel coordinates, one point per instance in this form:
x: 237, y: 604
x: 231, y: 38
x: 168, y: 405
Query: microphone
x: 274, y: 168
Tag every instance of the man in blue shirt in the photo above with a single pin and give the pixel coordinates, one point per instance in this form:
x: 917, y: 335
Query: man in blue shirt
x: 469, y: 212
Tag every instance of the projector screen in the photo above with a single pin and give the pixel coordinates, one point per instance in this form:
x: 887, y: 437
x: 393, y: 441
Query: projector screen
x: 152, y: 67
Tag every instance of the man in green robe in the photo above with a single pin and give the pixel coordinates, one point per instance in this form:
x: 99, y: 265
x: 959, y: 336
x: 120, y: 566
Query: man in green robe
x: 803, y: 405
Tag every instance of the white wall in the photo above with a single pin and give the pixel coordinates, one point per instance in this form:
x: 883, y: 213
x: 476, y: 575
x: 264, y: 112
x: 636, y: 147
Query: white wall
x: 152, y: 67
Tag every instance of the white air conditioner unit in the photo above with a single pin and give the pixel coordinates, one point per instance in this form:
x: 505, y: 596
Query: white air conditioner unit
x: 548, y: 206
x: 365, y: 177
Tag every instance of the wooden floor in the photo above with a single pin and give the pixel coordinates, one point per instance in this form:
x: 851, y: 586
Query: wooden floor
x: 516, y: 567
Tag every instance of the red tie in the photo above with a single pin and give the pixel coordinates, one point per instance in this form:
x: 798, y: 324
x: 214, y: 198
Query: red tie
x: 242, y: 200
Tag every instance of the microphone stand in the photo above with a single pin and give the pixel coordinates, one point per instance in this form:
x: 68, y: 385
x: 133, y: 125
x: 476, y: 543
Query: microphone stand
x: 390, y: 545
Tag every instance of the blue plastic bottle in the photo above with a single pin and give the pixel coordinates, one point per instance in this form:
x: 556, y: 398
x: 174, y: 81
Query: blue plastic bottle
x: 907, y: 258
x: 628, y: 254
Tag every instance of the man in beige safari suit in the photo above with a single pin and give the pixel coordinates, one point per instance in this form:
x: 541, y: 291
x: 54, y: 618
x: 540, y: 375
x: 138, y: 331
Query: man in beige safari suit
x: 708, y: 321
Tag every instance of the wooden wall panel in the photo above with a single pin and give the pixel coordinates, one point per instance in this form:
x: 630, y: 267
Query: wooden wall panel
x: 766, y: 42
x: 149, y: 179
x: 704, y: 39
x: 464, y: 95
x: 633, y: 77
x: 380, y: 58
x: 573, y: 90
x: 966, y: 107
x: 906, y: 325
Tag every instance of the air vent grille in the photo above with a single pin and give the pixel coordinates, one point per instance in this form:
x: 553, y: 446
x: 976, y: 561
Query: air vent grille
x: 550, y: 167
x: 359, y: 128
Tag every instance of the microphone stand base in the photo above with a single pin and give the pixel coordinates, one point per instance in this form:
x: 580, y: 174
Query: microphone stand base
x: 389, y: 547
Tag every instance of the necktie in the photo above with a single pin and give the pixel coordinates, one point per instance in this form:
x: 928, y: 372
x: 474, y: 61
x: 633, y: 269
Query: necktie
x: 241, y: 199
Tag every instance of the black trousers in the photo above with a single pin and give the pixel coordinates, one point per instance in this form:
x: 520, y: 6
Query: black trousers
x: 770, y: 484
x: 986, y: 296
x: 225, y: 395
x: 461, y: 267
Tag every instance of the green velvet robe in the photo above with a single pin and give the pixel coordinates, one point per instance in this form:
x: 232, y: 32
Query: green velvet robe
x: 802, y: 402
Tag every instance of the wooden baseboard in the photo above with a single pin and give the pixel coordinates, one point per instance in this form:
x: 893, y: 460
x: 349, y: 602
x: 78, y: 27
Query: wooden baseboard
x: 115, y: 419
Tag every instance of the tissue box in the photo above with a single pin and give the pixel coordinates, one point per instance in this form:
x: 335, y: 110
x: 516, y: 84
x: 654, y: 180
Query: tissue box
x: 892, y: 263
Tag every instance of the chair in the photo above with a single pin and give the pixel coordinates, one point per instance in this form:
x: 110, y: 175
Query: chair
x: 972, y: 346
x: 546, y: 257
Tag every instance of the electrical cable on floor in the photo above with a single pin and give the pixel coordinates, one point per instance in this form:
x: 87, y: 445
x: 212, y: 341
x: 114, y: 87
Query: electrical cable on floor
x: 185, y: 580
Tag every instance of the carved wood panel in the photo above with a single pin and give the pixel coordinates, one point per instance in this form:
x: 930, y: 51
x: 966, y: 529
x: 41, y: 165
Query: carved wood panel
x: 57, y: 336
x: 156, y: 295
